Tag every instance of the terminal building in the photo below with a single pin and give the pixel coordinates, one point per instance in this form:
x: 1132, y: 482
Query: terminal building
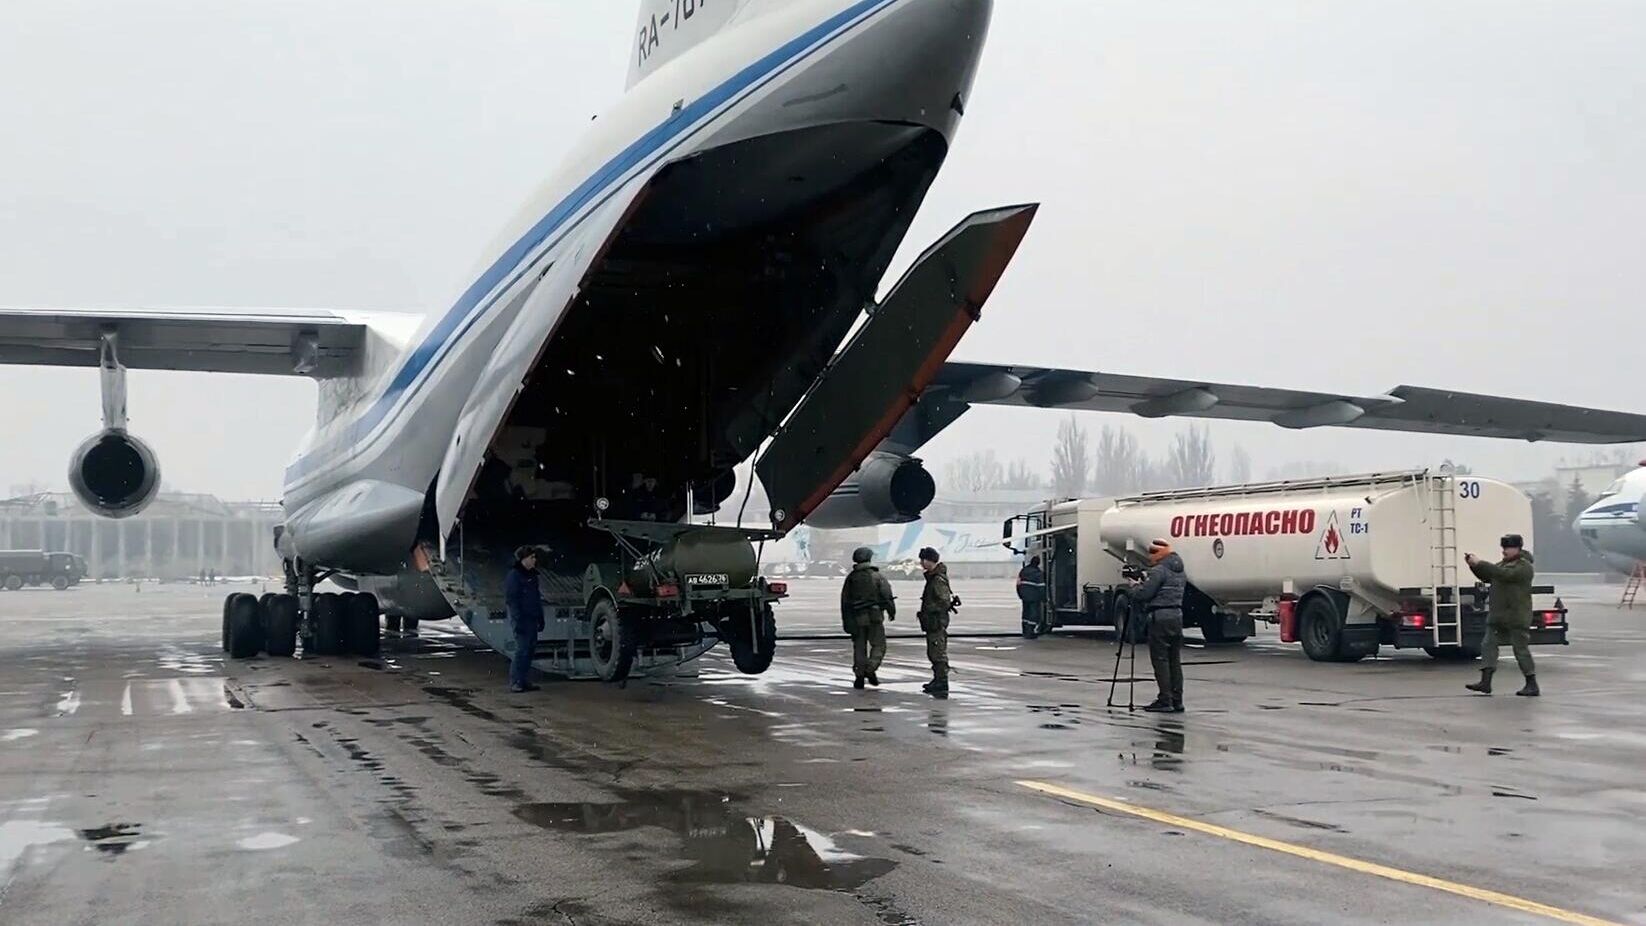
x: 178, y: 536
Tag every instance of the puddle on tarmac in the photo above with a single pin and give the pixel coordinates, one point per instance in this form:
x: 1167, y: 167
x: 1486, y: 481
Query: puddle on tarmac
x: 724, y: 845
x: 17, y: 734
x: 265, y: 841
x: 115, y: 838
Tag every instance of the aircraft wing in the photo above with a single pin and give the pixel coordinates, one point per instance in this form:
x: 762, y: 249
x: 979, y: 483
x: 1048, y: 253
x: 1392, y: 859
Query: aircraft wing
x: 280, y: 342
x: 1405, y: 408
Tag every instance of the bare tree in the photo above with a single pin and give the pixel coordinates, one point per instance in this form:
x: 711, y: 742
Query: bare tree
x: 1191, y: 461
x: 1071, y: 460
x: 1240, y: 465
x: 1020, y: 475
x: 978, y: 471
x: 1119, y: 470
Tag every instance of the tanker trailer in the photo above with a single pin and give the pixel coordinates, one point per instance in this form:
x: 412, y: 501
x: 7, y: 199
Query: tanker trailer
x: 1343, y: 564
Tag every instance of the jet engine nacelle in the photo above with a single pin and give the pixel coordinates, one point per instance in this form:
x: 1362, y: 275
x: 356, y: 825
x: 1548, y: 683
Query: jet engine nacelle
x: 114, y: 474
x: 886, y: 489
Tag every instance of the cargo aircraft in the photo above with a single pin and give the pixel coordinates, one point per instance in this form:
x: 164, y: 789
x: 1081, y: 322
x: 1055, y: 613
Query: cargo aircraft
x: 1612, y: 525
x: 675, y: 300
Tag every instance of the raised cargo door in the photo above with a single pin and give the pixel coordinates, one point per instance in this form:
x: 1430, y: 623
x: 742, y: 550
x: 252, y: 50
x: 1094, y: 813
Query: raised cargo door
x: 886, y: 365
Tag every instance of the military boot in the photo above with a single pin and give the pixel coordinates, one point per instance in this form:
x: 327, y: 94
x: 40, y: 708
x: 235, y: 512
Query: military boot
x: 1530, y: 689
x: 939, y: 688
x: 858, y: 682
x: 1484, y: 686
x: 873, y: 678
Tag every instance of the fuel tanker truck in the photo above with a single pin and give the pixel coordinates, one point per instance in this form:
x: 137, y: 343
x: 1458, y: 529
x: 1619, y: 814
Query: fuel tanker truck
x: 1343, y: 565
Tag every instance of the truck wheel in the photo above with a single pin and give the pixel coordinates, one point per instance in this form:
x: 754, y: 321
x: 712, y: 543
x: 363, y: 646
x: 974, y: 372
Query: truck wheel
x: 226, y: 622
x: 364, y: 632
x: 752, y: 656
x: 328, y: 624
x: 245, y: 625
x: 1322, y: 629
x: 61, y: 583
x: 13, y: 583
x: 280, y: 625
x: 613, y: 641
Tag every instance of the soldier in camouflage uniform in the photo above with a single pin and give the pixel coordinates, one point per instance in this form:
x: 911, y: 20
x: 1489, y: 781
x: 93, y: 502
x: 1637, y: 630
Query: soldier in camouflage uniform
x: 866, y: 603
x: 936, y: 601
x: 1509, y: 614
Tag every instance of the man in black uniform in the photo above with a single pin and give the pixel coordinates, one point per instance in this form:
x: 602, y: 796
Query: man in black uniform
x: 1031, y: 590
x: 1160, y: 595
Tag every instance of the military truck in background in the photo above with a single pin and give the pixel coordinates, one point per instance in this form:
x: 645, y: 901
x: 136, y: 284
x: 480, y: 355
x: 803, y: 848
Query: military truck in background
x: 37, y: 567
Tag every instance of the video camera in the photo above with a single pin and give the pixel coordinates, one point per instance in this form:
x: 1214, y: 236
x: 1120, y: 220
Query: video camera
x: 1133, y: 572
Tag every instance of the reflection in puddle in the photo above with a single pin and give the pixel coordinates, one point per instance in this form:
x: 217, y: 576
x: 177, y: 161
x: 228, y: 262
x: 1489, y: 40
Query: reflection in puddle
x: 17, y: 734
x: 114, y: 839
x: 726, y: 847
x: 264, y: 841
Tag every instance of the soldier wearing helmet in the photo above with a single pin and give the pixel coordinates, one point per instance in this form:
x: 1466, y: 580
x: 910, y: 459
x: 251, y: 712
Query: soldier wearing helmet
x: 866, y: 603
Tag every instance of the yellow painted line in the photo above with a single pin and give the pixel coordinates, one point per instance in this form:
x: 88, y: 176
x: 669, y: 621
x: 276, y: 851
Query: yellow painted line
x: 1507, y: 901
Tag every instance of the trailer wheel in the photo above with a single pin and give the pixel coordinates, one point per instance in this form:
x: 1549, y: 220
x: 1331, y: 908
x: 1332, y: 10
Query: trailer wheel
x: 613, y: 640
x: 753, y: 654
x: 1322, y: 629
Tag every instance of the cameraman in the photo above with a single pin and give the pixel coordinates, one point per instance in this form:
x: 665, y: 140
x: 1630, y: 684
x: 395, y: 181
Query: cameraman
x: 1159, y: 594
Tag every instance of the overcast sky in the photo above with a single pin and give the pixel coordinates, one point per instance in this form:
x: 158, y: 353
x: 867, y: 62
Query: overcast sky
x: 1342, y: 196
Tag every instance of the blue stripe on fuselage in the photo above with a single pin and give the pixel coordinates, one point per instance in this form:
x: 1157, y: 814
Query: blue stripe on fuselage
x: 460, y: 318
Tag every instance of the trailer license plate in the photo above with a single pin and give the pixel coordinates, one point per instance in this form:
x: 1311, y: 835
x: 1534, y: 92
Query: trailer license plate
x: 714, y: 579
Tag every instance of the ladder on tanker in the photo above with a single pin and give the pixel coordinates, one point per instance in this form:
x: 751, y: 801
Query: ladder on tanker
x: 1633, y: 588
x: 1445, y: 598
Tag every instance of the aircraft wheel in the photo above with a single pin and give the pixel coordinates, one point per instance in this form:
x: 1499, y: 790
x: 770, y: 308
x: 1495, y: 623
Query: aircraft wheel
x: 245, y: 625
x: 753, y: 654
x: 613, y: 641
x: 364, y: 633
x: 391, y: 623
x: 409, y: 626
x: 280, y: 625
x: 329, y: 623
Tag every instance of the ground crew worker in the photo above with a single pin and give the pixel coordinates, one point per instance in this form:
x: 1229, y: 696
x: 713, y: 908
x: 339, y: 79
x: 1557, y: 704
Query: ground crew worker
x: 1509, y: 618
x: 936, y: 601
x: 866, y: 603
x: 1160, y: 594
x: 1031, y: 590
x: 524, y: 601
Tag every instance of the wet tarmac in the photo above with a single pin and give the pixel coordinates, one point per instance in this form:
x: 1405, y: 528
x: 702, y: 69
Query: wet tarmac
x: 144, y: 779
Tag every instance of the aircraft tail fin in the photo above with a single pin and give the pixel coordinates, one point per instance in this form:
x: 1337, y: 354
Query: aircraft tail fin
x: 668, y: 28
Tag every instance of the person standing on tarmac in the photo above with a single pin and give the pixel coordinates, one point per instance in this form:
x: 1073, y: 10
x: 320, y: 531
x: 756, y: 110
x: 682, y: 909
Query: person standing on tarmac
x: 1160, y: 595
x: 936, y: 601
x: 866, y: 604
x: 524, y: 601
x: 1509, y: 615
x: 1031, y: 590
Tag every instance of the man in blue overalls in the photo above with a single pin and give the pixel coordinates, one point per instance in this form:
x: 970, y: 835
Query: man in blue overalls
x: 524, y: 601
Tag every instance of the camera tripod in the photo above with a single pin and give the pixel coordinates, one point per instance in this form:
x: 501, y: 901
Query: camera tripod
x: 1125, y: 637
